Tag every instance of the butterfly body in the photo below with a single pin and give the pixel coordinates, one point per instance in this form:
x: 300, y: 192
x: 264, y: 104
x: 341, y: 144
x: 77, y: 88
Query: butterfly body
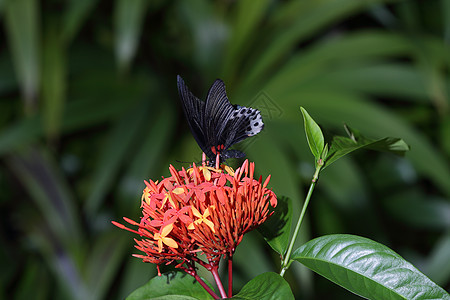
x: 216, y: 124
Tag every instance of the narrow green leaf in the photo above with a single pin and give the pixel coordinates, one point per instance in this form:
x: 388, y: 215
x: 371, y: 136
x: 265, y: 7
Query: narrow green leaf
x: 266, y: 286
x: 53, y: 81
x: 178, y: 284
x: 446, y: 18
x: 313, y: 134
x: 248, y: 16
x: 341, y: 146
x: 366, y: 268
x: 311, y: 18
x: 277, y: 228
x: 78, y: 114
x: 438, y: 262
x: 104, y: 262
x: 129, y: 17
x: 421, y: 211
x: 113, y: 155
x: 76, y: 12
x: 22, y: 26
x: 146, y: 162
x: 47, y: 187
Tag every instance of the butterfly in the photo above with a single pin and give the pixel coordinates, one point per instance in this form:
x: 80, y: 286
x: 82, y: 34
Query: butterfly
x: 216, y: 124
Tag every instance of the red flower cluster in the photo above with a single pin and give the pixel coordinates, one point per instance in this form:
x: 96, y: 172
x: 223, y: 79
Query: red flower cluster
x: 201, y: 209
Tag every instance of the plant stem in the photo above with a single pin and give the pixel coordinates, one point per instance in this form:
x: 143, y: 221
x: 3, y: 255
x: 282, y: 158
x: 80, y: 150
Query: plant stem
x: 285, y: 263
x: 206, y: 287
x: 230, y: 276
x: 218, y: 282
x: 191, y: 271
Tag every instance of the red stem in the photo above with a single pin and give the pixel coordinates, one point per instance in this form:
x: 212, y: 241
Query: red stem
x: 202, y: 283
x: 230, y: 276
x: 205, y: 286
x: 218, y: 282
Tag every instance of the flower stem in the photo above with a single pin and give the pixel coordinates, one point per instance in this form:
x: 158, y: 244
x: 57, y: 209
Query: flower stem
x: 287, y: 258
x: 230, y: 276
x: 206, y: 287
x: 218, y: 282
x: 193, y: 273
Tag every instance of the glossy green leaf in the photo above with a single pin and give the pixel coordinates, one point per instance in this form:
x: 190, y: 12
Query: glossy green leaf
x: 177, y: 284
x: 313, y: 134
x: 267, y: 286
x: 276, y: 230
x: 366, y: 268
x: 341, y: 146
x: 22, y: 23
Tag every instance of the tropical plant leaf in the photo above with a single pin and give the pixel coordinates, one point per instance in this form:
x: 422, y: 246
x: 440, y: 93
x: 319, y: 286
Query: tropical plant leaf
x: 53, y: 81
x: 277, y: 228
x: 129, y: 17
x: 341, y: 146
x: 76, y: 12
x: 366, y: 268
x: 265, y: 287
x: 114, y: 155
x: 314, y: 135
x: 22, y: 24
x: 177, y: 284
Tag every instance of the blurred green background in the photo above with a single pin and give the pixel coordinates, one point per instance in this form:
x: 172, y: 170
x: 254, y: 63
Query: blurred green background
x: 89, y: 109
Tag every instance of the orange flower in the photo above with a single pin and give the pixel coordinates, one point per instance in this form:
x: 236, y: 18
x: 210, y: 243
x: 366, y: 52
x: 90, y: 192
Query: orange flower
x: 201, y: 209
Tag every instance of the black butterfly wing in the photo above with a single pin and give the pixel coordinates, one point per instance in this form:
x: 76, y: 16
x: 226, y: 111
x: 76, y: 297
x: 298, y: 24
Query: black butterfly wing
x: 194, y: 110
x: 216, y: 124
x: 228, y: 124
x: 218, y: 111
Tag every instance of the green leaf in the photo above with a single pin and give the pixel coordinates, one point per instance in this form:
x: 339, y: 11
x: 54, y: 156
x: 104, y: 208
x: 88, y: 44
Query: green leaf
x: 438, y: 264
x: 22, y: 26
x: 104, y: 261
x: 307, y: 20
x: 53, y: 80
x: 266, y: 286
x: 178, y: 285
x: 277, y: 228
x: 76, y: 13
x: 249, y: 14
x: 366, y: 268
x: 313, y: 134
x: 114, y: 155
x: 41, y: 178
x: 129, y: 17
x: 341, y: 146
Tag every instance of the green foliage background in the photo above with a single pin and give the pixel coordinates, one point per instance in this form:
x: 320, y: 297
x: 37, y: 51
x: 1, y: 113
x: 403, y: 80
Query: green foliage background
x: 89, y: 109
